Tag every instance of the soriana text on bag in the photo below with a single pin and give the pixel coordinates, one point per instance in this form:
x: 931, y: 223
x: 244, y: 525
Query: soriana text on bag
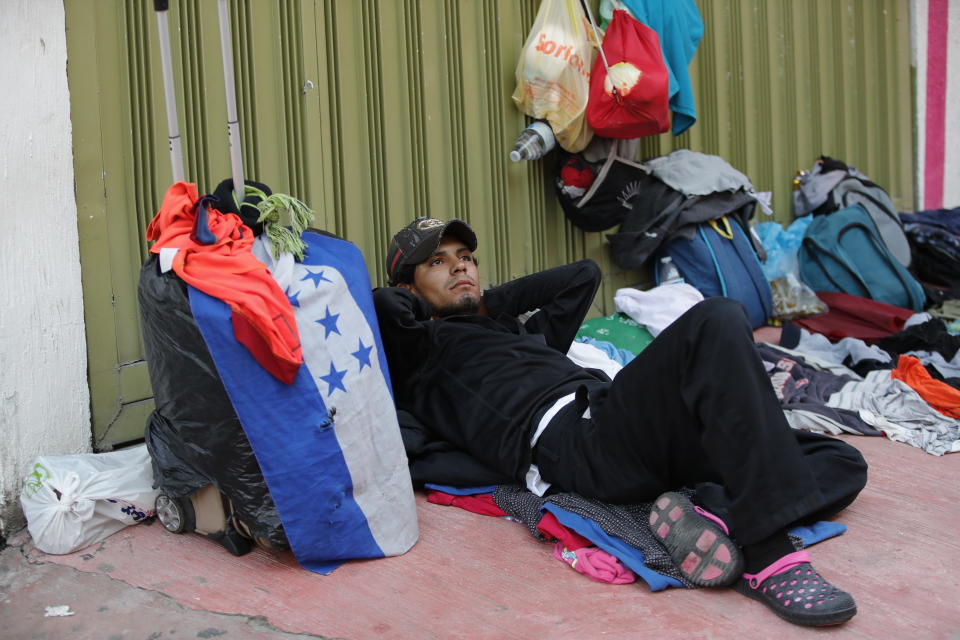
x: 630, y: 85
x: 553, y: 74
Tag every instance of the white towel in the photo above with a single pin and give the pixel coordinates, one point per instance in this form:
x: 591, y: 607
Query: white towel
x: 657, y: 308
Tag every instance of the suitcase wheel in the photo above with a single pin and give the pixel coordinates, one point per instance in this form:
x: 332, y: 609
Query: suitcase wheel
x: 175, y: 514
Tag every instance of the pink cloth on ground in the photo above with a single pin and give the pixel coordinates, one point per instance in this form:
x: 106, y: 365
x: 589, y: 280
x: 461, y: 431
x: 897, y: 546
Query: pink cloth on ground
x: 596, y: 564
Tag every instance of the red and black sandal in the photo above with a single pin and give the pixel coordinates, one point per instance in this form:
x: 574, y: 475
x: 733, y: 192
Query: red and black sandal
x: 797, y: 593
x: 696, y: 540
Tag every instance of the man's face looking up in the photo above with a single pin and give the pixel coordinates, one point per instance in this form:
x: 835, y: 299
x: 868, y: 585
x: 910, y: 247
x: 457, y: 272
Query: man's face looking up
x: 448, y: 280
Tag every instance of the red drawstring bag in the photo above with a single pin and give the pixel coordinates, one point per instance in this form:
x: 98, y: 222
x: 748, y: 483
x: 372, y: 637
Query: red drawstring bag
x: 630, y: 84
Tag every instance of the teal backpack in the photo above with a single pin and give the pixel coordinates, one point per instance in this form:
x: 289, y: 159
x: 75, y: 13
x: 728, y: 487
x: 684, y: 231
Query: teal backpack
x: 843, y: 252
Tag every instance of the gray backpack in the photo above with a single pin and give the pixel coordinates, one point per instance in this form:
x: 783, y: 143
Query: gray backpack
x: 832, y: 185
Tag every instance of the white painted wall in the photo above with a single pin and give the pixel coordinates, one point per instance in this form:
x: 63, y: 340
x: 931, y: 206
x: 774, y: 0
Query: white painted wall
x: 44, y: 399
x: 949, y: 196
x: 951, y: 160
x: 918, y: 50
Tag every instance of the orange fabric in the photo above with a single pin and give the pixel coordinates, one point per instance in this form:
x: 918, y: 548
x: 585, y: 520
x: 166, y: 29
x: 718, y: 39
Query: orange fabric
x: 937, y: 393
x: 263, y: 319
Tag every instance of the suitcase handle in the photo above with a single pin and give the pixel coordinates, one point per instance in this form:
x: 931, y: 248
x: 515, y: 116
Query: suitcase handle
x: 233, y: 121
x: 170, y: 98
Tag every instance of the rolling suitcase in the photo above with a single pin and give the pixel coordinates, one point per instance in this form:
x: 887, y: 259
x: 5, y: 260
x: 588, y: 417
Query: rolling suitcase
x: 225, y: 501
x: 275, y: 423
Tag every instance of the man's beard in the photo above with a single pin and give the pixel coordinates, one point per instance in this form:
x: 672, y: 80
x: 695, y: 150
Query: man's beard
x: 467, y: 305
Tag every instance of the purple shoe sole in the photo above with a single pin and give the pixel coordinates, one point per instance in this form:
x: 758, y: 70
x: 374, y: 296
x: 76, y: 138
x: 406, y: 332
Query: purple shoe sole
x: 699, y: 547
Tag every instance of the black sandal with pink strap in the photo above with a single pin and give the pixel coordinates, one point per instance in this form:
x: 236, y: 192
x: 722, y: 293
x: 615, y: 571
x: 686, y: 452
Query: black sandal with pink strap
x: 696, y: 541
x: 797, y: 593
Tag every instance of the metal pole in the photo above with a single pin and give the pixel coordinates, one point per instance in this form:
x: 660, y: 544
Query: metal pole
x: 173, y: 136
x: 233, y: 124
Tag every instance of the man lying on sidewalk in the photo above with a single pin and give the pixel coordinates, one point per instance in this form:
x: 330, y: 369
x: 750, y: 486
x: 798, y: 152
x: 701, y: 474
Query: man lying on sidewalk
x: 694, y: 409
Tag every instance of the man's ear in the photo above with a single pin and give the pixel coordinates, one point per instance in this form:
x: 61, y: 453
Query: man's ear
x: 409, y: 287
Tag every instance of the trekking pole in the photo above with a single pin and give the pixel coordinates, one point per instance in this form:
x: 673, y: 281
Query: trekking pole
x: 173, y: 135
x: 233, y: 124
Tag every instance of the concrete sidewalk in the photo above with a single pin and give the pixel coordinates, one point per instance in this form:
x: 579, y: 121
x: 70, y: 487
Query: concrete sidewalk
x: 95, y: 605
x: 476, y: 577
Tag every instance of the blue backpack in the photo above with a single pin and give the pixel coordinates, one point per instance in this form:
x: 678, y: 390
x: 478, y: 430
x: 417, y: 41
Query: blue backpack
x: 843, y: 252
x: 719, y: 260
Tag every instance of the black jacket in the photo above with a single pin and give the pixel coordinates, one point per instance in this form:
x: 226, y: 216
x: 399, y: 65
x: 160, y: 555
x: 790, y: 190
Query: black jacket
x: 477, y: 382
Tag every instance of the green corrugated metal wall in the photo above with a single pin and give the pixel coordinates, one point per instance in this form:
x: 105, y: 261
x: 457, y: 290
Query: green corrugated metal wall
x: 376, y: 111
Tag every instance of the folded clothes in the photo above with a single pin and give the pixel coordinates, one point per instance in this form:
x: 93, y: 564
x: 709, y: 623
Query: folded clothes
x: 482, y: 503
x: 596, y: 564
x: 620, y: 532
x: 657, y: 308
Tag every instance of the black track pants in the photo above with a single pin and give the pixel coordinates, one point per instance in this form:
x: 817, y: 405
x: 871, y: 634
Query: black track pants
x: 696, y: 406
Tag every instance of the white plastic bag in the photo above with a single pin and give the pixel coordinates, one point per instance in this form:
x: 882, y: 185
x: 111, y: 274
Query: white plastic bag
x: 553, y: 74
x: 74, y: 501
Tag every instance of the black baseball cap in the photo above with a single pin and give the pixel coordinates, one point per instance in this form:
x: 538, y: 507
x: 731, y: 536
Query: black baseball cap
x: 418, y: 240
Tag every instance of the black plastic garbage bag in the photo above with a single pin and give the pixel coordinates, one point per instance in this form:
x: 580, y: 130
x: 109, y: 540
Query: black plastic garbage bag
x: 193, y: 435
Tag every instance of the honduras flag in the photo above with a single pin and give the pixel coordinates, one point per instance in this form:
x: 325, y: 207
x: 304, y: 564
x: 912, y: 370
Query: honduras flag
x: 329, y: 444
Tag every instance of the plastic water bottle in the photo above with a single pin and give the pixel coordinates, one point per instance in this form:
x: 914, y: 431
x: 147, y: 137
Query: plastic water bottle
x: 668, y: 273
x: 533, y: 142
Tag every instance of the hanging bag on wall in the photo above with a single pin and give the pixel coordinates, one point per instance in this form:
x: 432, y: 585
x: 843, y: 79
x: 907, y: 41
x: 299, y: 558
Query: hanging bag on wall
x: 630, y: 84
x: 553, y: 74
x: 607, y: 200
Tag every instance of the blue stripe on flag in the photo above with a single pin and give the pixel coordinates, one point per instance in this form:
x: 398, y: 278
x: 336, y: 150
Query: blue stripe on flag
x: 293, y: 437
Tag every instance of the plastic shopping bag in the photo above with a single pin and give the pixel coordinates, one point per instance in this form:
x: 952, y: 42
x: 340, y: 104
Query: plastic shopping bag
x: 553, y: 74
x: 74, y: 501
x: 792, y: 299
x: 630, y: 84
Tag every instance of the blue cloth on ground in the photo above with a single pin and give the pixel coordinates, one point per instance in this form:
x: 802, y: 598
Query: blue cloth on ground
x: 632, y: 557
x: 818, y: 532
x: 946, y: 219
x: 618, y: 355
x: 458, y: 491
x: 627, y: 554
